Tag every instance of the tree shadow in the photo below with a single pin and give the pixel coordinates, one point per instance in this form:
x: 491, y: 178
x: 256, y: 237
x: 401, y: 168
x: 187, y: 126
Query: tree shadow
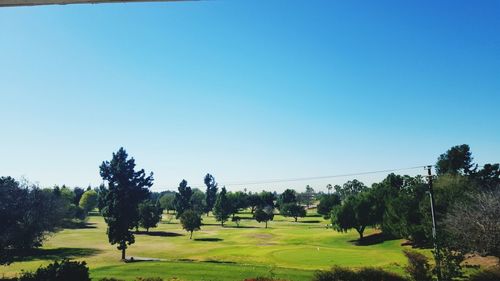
x: 209, y: 239
x: 78, y: 225
x: 241, y: 226
x: 158, y: 233
x: 309, y: 221
x: 216, y: 261
x: 53, y: 254
x: 372, y: 239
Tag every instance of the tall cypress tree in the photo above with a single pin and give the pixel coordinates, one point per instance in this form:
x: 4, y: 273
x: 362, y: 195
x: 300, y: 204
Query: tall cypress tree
x: 211, y: 194
x: 126, y: 189
x: 182, y: 200
x: 222, y: 207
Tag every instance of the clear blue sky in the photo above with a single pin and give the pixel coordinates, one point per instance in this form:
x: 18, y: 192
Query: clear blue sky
x: 247, y: 90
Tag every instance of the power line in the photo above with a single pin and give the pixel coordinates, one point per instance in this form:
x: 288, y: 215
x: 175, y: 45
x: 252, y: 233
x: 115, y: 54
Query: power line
x: 317, y: 177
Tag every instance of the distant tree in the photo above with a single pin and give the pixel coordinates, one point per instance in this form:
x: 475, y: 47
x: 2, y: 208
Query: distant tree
x: 254, y: 200
x: 183, y: 198
x: 309, y: 196
x: 89, y: 201
x: 488, y: 178
x: 102, y: 192
x: 167, y: 201
x: 457, y: 160
x: 236, y: 220
x: 350, y: 188
x: 149, y: 214
x: 222, y: 207
x: 211, y: 193
x: 198, y: 201
x: 237, y: 200
x: 126, y: 189
x: 288, y: 196
x: 267, y: 199
x: 293, y: 210
x: 327, y: 203
x: 78, y: 192
x: 356, y: 212
x: 264, y: 214
x: 329, y: 187
x: 191, y: 221
x: 474, y: 225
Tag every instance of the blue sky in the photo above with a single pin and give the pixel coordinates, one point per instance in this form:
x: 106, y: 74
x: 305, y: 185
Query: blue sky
x: 247, y: 90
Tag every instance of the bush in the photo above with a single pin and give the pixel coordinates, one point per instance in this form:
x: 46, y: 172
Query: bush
x: 338, y: 273
x: 59, y: 271
x: 418, y: 266
x: 489, y: 274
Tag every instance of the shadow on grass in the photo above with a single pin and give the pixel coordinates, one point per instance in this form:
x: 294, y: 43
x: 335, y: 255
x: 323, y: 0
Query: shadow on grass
x: 372, y: 239
x: 309, y: 221
x: 216, y: 261
x: 209, y: 239
x: 78, y: 225
x: 241, y: 226
x: 158, y: 233
x: 54, y: 254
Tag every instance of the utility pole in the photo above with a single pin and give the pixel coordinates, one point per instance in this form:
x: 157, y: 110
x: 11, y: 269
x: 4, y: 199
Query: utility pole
x: 434, y: 235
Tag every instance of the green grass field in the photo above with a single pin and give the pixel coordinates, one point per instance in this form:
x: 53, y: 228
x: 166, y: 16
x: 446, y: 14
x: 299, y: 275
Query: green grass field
x: 285, y: 250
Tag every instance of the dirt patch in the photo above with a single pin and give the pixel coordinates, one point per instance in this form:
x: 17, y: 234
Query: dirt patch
x: 261, y: 236
x: 266, y: 244
x: 482, y: 261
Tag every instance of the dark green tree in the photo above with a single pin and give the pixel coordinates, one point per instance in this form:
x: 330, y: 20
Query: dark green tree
x: 293, y: 210
x: 237, y: 200
x: 254, y: 201
x: 167, y: 201
x: 183, y: 198
x: 288, y: 196
x: 350, y: 188
x: 222, y: 207
x: 126, y: 189
x: 191, y: 221
x: 264, y: 214
x: 211, y: 193
x: 356, y: 212
x: 198, y: 203
x: 457, y: 160
x: 149, y: 214
x: 327, y: 203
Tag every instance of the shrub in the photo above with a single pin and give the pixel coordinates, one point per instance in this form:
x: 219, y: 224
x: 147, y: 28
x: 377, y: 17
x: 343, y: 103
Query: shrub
x: 338, y: 273
x: 59, y: 271
x: 489, y: 274
x: 418, y: 266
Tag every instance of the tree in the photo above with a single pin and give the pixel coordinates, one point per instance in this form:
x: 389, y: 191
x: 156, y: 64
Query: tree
x: 457, y: 160
x: 78, y: 193
x: 183, y: 198
x: 198, y: 201
x: 236, y: 220
x: 237, y: 200
x: 149, y: 214
x: 267, y: 199
x: 329, y: 187
x: 288, y: 196
x: 191, y: 221
x: 88, y: 201
x: 167, y: 201
x: 308, y: 196
x: 264, y: 214
x: 350, y: 188
x: 474, y: 225
x: 222, y: 207
x: 356, y: 212
x: 126, y: 189
x: 27, y: 215
x: 327, y: 203
x: 254, y: 200
x: 211, y: 193
x: 293, y: 210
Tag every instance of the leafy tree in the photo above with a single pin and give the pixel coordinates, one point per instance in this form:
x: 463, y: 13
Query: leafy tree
x: 357, y: 212
x: 267, y: 199
x: 183, y: 198
x: 222, y: 207
x: 211, y: 193
x: 254, y: 200
x: 27, y: 215
x: 59, y: 271
x: 198, y: 201
x: 149, y: 214
x: 191, y: 221
x: 89, y: 200
x: 329, y: 187
x: 126, y: 189
x: 327, y: 203
x: 307, y: 197
x: 293, y: 210
x: 350, y: 188
x: 236, y: 220
x: 237, y: 201
x: 457, y: 160
x: 78, y: 193
x: 418, y: 266
x: 102, y: 192
x: 488, y: 178
x: 288, y: 196
x: 264, y: 214
x: 167, y: 201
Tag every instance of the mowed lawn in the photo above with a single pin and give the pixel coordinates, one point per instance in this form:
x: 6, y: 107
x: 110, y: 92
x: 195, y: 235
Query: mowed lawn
x: 287, y: 249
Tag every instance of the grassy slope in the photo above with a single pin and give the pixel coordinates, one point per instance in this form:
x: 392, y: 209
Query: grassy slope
x: 287, y: 249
